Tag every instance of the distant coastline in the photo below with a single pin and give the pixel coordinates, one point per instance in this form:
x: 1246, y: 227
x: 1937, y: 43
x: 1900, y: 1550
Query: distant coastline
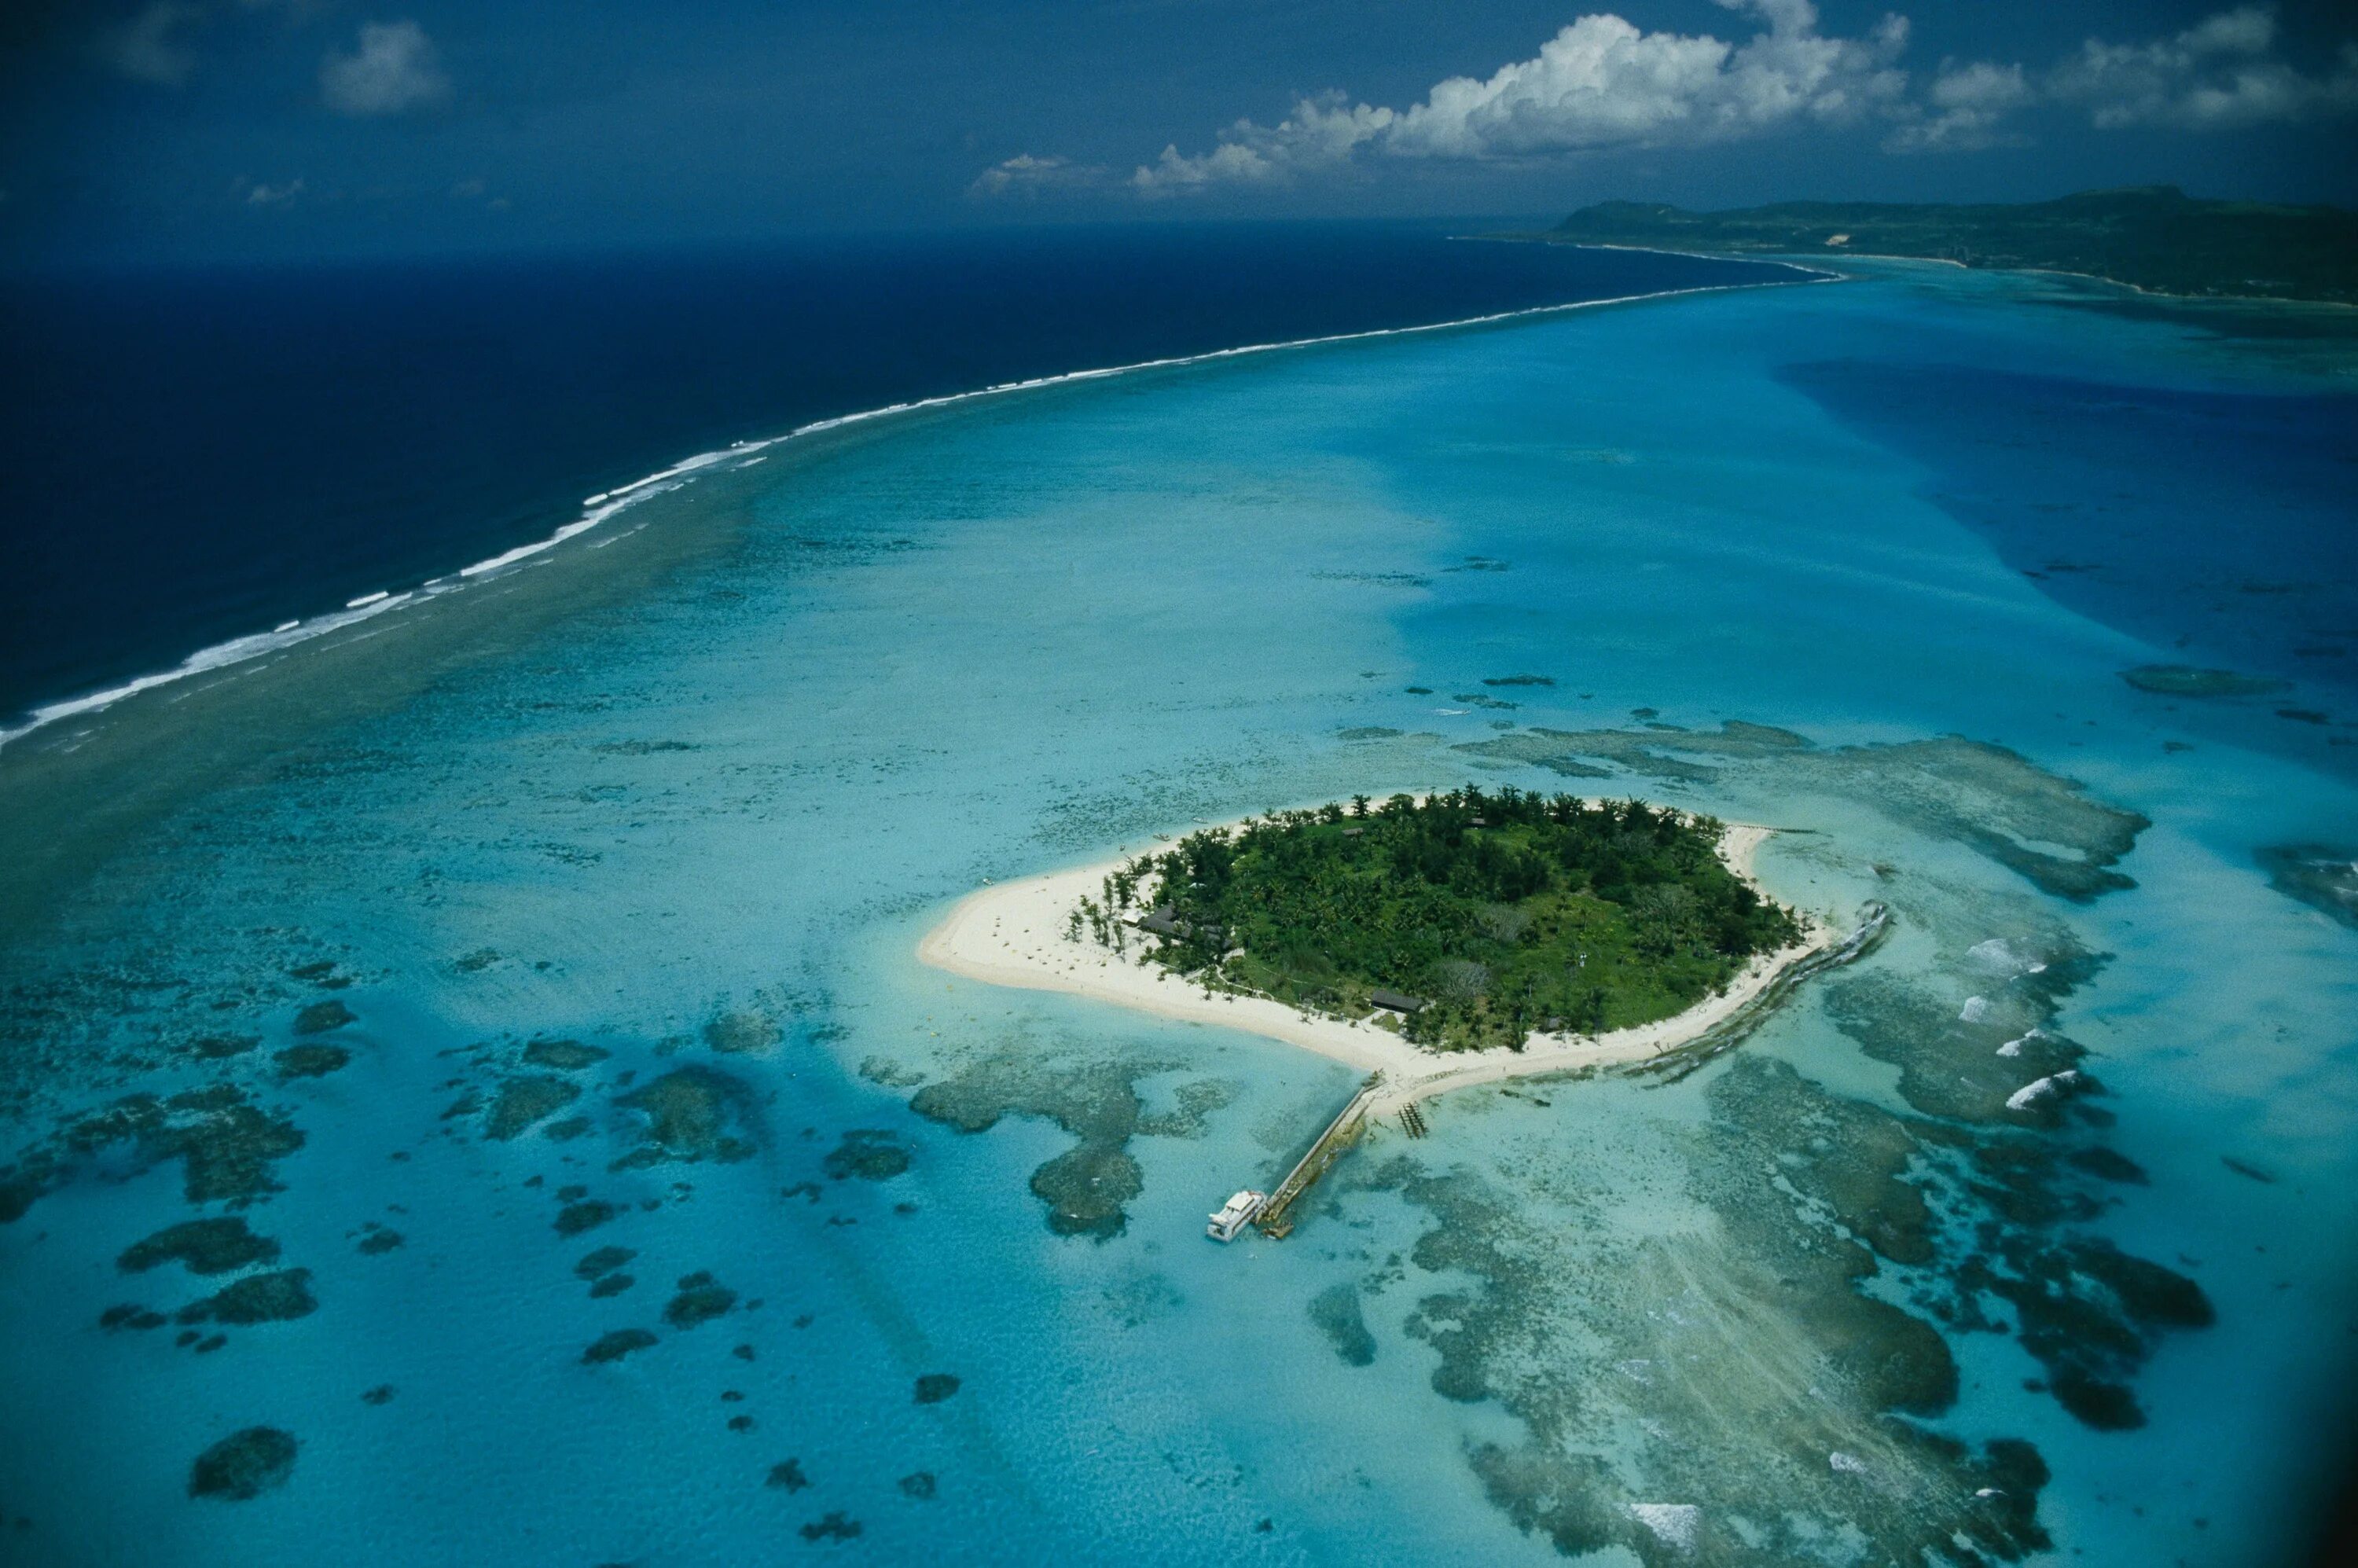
x: 2153, y: 240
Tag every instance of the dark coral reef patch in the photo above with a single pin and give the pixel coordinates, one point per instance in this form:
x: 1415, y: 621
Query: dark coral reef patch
x: 700, y: 1299
x: 203, y: 1246
x: 565, y: 1055
x: 277, y: 1297
x: 693, y: 1113
x: 1097, y: 1102
x: 245, y: 1465
x: 310, y: 1061
x: 616, y: 1343
x: 869, y: 1153
x: 523, y: 1101
x: 2323, y: 876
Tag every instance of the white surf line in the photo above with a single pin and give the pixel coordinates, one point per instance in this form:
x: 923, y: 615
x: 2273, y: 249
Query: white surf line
x: 220, y: 655
x: 603, y: 505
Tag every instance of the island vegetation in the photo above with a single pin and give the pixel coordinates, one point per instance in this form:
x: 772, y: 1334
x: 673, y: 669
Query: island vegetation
x: 2151, y: 237
x: 1470, y: 919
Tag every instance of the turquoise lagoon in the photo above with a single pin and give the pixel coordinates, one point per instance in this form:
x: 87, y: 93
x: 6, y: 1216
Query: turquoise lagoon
x: 688, y: 789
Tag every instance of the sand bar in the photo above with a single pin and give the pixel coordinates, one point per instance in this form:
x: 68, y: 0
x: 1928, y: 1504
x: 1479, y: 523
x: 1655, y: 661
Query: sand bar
x: 1013, y: 934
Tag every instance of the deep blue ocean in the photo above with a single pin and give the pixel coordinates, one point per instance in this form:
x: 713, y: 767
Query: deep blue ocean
x: 201, y: 454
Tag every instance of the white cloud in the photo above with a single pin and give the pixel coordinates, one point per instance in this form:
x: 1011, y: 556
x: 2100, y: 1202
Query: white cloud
x: 1603, y: 83
x: 261, y: 195
x: 1969, y: 104
x: 1321, y: 133
x: 2220, y: 74
x: 1600, y: 82
x: 394, y: 70
x: 1025, y: 175
x: 148, y: 48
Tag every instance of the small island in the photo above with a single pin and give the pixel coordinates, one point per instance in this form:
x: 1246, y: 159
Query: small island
x: 1473, y: 920
x: 1451, y: 939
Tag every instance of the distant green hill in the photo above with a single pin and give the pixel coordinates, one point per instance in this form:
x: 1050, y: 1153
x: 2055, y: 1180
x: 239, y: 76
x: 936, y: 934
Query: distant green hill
x: 2155, y: 237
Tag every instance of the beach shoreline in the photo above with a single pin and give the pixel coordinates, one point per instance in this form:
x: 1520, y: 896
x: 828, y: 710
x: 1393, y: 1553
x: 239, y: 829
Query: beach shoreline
x: 1013, y: 934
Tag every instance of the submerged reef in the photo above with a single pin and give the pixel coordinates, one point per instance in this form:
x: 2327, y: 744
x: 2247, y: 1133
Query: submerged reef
x: 275, y: 1297
x: 2184, y: 680
x: 310, y: 1061
x: 203, y: 1246
x: 1703, y: 1338
x: 2010, y: 1151
x: 226, y: 1153
x: 522, y: 1101
x: 604, y: 1261
x: 743, y: 1031
x: 228, y: 1148
x: 1335, y: 1311
x: 587, y: 1214
x: 869, y: 1153
x: 701, y: 1299
x: 2323, y: 876
x: 693, y: 1113
x: 565, y: 1055
x: 245, y: 1465
x: 322, y: 1016
x: 616, y: 1343
x: 1096, y: 1101
x: 1951, y: 1064
x: 1985, y: 797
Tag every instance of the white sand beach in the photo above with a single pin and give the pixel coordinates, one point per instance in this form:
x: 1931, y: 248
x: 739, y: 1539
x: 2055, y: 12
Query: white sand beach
x: 1013, y: 934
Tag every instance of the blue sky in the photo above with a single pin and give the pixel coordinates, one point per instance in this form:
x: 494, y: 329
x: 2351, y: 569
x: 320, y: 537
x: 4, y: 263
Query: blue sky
x: 209, y: 128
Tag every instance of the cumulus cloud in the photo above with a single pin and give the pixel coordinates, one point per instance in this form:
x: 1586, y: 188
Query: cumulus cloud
x: 1025, y: 175
x: 259, y: 194
x: 2220, y: 74
x: 149, y: 48
x: 1601, y: 82
x: 1320, y: 133
x: 394, y: 70
x: 1968, y: 105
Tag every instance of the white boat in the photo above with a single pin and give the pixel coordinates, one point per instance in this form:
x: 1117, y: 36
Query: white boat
x: 1235, y: 1215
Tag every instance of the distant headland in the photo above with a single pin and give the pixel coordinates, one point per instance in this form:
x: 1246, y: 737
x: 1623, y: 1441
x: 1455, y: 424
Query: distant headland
x: 2156, y: 238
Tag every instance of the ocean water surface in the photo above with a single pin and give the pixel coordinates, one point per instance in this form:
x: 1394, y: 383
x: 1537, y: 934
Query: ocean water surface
x: 532, y: 969
x: 202, y: 455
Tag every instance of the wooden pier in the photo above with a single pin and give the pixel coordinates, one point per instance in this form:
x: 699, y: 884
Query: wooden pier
x: 1340, y: 1134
